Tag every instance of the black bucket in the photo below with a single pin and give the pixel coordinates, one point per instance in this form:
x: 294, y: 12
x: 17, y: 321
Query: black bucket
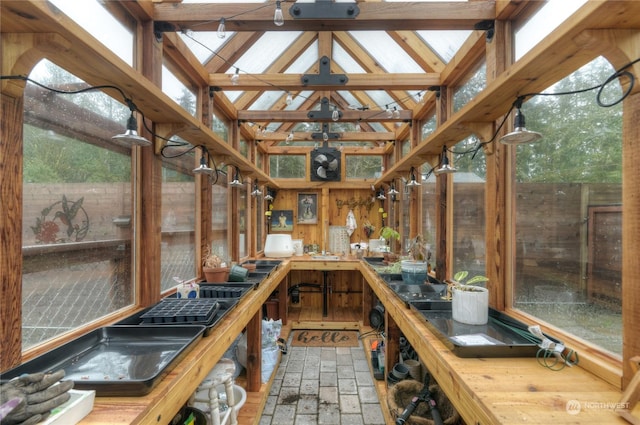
x: 190, y: 416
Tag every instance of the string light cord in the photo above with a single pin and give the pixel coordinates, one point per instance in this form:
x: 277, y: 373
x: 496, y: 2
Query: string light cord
x: 622, y: 71
x: 226, y: 18
x: 132, y: 106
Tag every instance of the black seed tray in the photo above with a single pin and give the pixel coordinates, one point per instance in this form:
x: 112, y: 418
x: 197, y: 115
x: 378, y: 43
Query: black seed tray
x: 181, y: 311
x: 224, y: 290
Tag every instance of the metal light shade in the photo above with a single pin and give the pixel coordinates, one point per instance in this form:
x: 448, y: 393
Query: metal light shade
x: 445, y: 168
x: 268, y: 197
x: 412, y: 181
x: 236, y: 180
x: 381, y: 195
x: 520, y: 136
x: 256, y: 191
x: 131, y: 134
x: 203, y: 168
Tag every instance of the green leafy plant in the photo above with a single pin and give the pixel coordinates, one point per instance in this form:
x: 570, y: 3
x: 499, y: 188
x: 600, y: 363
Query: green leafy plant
x: 389, y: 233
x: 461, y: 282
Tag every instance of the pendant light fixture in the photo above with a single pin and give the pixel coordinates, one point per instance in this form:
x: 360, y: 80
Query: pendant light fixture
x: 256, y: 190
x: 520, y: 135
x: 236, y: 182
x: 381, y: 195
x: 203, y: 168
x: 235, y: 77
x: 278, y: 17
x: 412, y: 178
x: 131, y: 133
x: 445, y: 167
x: 222, y: 30
x: 268, y: 196
x: 392, y: 189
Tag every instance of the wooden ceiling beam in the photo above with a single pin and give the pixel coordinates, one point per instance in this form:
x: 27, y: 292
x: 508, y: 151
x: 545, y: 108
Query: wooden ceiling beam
x: 346, y: 136
x: 290, y: 82
x: 372, y: 16
x: 301, y: 116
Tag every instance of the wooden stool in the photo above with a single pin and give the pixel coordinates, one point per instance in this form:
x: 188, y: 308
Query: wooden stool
x: 222, y: 373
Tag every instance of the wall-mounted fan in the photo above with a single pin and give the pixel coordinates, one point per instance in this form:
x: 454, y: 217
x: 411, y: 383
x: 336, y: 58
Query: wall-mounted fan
x: 325, y: 164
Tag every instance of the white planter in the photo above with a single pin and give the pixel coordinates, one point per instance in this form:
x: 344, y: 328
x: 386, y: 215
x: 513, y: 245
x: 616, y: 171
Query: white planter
x: 470, y: 306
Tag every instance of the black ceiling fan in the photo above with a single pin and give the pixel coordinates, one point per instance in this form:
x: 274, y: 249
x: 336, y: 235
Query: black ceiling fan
x: 325, y: 164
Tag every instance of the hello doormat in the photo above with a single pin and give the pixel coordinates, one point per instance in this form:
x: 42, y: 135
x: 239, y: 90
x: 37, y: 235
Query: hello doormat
x: 324, y: 338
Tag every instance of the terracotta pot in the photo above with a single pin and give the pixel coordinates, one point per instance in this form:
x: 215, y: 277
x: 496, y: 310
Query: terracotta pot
x: 219, y: 274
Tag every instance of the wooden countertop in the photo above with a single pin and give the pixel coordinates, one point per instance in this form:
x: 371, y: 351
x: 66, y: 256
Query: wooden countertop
x: 484, y: 390
x: 171, y: 393
x: 503, y: 390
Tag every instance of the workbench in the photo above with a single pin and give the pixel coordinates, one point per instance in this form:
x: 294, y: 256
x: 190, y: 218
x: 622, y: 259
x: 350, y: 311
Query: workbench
x: 484, y: 390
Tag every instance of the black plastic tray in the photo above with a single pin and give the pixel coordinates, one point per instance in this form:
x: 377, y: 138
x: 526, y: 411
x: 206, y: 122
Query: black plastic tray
x: 116, y: 360
x: 225, y: 289
x: 224, y: 306
x: 194, y: 311
x: 495, y: 339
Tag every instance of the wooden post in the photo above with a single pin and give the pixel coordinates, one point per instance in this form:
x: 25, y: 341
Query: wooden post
x: 254, y: 352
x: 11, y: 116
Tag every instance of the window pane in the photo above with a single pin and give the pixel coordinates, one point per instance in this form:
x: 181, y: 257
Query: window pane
x: 92, y: 16
x: 243, y: 201
x: 174, y: 88
x: 428, y: 189
x: 363, y: 166
x: 178, y: 220
x: 470, y: 88
x: 468, y: 211
x: 287, y: 166
x: 219, y: 220
x: 77, y: 209
x: 568, y: 211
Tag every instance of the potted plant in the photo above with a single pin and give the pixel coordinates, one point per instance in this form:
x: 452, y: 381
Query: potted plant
x: 389, y: 234
x: 414, y: 270
x: 469, y: 302
x: 214, y: 268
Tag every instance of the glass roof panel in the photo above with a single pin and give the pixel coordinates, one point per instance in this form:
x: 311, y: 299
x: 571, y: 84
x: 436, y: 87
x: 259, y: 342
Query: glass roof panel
x: 203, y: 43
x: 97, y: 21
x: 305, y: 60
x: 263, y: 52
x: 444, y: 43
x: 345, y: 61
x: 386, y: 51
x: 552, y: 14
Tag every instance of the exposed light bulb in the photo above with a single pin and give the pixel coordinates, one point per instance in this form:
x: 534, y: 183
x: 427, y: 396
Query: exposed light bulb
x: 235, y: 77
x: 389, y: 112
x: 358, y: 128
x: 222, y: 30
x: 278, y: 18
x: 325, y: 136
x: 396, y: 113
x: 289, y: 99
x: 290, y: 137
x: 335, y: 115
